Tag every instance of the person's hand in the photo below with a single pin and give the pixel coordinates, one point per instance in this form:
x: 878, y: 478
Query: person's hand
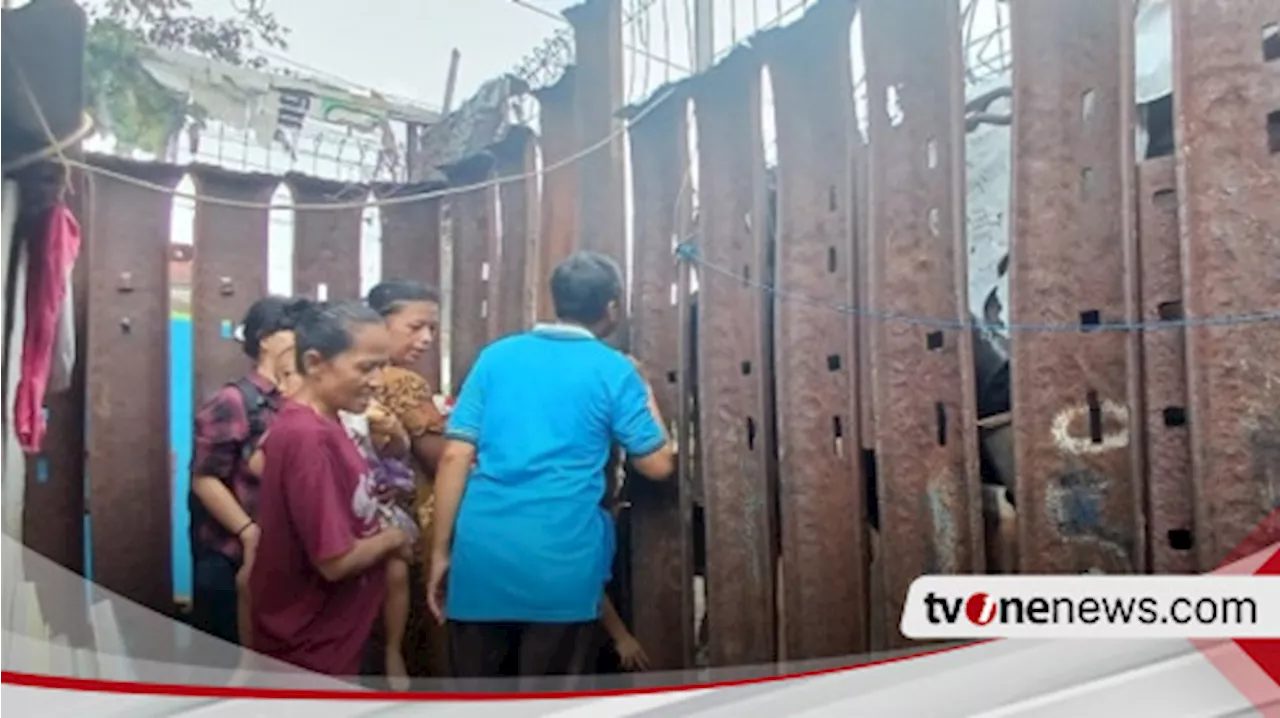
x: 437, y: 572
x: 249, y: 539
x: 382, y: 421
x: 631, y: 654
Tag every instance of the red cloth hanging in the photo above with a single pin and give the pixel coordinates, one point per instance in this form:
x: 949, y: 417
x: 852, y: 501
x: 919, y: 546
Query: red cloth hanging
x: 51, y: 259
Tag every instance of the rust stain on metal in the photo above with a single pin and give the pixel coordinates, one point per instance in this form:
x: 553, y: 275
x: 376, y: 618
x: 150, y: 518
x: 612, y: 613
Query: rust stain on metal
x: 517, y: 285
x: 326, y: 243
x: 1227, y: 106
x: 559, y: 217
x: 411, y: 250
x: 925, y: 447
x: 1077, y: 491
x: 229, y: 271
x: 731, y: 392
x: 128, y: 463
x: 1171, y: 514
x: 474, y: 236
x: 661, y: 543
x: 817, y: 367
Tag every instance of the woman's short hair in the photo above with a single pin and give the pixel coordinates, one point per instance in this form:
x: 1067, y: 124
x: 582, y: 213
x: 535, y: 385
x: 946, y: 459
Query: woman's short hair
x: 325, y: 327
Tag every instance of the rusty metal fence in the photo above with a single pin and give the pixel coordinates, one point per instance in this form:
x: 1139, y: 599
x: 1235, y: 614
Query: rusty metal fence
x: 1145, y: 343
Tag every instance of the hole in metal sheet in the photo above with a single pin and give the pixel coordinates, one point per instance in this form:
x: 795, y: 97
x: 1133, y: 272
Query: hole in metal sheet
x: 833, y: 362
x: 1095, y: 416
x: 751, y: 433
x: 831, y: 259
x: 1090, y: 319
x: 672, y: 377
x: 893, y: 105
x: 935, y: 222
x: 837, y: 435
x: 746, y: 368
x: 1271, y: 42
x: 484, y: 308
x: 1181, y: 539
x: 484, y: 271
x: 675, y: 295
x: 933, y: 341
x: 1086, y: 183
x: 1174, y: 416
x: 931, y: 153
x: 1273, y: 132
x: 322, y: 292
x: 1170, y: 311
x: 1086, y: 104
x: 831, y: 199
x: 1164, y: 198
x: 940, y: 412
x: 746, y: 222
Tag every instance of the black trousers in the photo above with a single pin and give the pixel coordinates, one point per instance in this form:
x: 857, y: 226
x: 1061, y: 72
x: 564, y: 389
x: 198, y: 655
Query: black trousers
x: 213, y: 597
x: 496, y: 650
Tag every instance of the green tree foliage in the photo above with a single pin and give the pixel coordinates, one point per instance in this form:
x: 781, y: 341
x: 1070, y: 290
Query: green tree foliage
x: 126, y: 101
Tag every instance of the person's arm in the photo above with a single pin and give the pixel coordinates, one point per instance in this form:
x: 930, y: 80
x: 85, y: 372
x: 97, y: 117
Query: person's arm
x: 320, y: 514
x: 629, y: 650
x: 221, y: 428
x: 409, y: 399
x: 460, y: 450
x: 638, y: 427
x: 613, y: 624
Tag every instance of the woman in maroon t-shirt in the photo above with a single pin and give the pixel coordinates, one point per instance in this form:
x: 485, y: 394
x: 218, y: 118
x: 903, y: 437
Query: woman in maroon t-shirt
x: 317, y: 584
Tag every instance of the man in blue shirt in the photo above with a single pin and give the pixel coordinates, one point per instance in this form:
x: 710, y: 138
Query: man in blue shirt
x: 519, y: 528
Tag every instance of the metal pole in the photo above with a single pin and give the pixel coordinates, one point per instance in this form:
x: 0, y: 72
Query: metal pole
x: 704, y: 36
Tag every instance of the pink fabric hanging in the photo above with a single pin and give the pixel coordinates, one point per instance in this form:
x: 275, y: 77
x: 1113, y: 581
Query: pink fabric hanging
x: 52, y: 257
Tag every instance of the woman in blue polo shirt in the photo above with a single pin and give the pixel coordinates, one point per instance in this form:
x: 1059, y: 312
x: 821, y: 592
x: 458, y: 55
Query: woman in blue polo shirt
x: 522, y: 536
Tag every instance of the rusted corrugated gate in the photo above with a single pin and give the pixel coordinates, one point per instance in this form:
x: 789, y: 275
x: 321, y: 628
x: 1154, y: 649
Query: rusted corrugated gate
x: 127, y: 447
x: 1170, y: 514
x: 1227, y: 99
x: 661, y: 540
x: 1092, y: 396
x: 928, y: 490
x: 1078, y: 487
x: 820, y: 496
x: 229, y: 272
x: 734, y: 444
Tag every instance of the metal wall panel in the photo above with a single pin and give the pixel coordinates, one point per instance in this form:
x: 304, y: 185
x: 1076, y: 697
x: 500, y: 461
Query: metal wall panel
x: 1170, y: 512
x: 733, y: 444
x: 928, y: 487
x: 820, y: 491
x: 559, y: 221
x: 1227, y: 105
x: 597, y: 38
x: 471, y: 214
x: 326, y: 243
x: 128, y: 466
x: 411, y: 250
x: 661, y: 544
x: 1074, y: 393
x: 229, y: 272
x: 516, y: 158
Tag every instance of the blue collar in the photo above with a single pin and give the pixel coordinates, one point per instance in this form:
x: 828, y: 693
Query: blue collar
x: 562, y: 331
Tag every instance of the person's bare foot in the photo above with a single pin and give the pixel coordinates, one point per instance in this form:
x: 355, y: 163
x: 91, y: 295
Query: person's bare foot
x: 397, y: 672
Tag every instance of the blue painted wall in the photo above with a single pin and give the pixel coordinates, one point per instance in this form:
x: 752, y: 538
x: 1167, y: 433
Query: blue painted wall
x: 181, y: 418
